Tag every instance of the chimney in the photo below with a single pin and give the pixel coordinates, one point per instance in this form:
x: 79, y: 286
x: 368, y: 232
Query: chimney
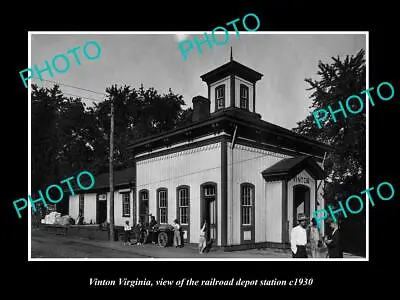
x: 201, y: 108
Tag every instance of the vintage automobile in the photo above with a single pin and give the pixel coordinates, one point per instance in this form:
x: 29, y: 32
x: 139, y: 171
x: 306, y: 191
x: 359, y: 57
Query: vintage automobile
x: 165, y: 234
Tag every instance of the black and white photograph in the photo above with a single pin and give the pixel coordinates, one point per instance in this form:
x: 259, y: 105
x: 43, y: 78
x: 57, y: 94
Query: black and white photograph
x: 170, y: 146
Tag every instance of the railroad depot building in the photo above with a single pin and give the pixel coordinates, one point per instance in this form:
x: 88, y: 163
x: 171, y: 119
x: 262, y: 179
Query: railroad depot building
x: 94, y: 204
x: 247, y: 177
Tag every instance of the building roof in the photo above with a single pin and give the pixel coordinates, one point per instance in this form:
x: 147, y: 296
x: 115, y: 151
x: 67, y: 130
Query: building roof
x: 287, y: 168
x: 249, y: 127
x: 231, y: 68
x: 122, y: 179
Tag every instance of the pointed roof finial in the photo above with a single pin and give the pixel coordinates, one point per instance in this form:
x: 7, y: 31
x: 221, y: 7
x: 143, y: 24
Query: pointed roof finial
x: 231, y: 54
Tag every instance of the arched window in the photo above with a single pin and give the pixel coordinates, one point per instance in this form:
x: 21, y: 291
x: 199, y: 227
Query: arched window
x: 162, y: 206
x: 247, y: 212
x: 244, y: 97
x: 220, y: 96
x: 183, y: 210
x: 247, y: 203
x: 183, y: 205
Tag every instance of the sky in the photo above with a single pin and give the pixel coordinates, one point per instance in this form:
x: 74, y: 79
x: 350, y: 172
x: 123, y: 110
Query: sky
x: 155, y: 60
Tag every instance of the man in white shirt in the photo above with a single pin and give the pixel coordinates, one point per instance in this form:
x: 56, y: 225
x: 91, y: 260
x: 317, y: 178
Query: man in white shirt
x: 177, y: 234
x: 127, y: 231
x: 298, y: 239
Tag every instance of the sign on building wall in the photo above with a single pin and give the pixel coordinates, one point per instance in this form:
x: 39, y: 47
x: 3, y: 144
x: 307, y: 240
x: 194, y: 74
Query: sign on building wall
x: 302, y: 179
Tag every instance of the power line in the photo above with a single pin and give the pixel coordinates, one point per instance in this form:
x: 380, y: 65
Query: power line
x: 71, y: 86
x: 83, y: 97
x: 75, y: 87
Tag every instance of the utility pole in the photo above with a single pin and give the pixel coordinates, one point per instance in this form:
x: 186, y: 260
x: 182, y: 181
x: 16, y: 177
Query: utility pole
x: 112, y: 171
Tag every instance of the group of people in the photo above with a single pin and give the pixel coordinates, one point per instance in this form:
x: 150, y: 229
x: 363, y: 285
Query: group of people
x: 150, y: 232
x: 303, y: 235
x: 138, y: 231
x: 177, y: 238
x: 203, y: 241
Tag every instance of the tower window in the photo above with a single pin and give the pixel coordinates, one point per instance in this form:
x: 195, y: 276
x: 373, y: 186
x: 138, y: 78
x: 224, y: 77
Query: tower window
x: 244, y: 97
x: 220, y: 96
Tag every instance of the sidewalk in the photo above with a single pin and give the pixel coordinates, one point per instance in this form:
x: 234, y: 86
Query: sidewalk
x: 151, y: 251
x: 191, y: 251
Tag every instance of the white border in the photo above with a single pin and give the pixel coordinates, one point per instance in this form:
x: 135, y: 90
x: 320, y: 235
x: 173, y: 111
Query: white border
x: 194, y: 259
x: 29, y: 151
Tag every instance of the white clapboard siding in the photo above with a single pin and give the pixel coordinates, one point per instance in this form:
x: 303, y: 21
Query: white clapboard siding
x: 248, y: 163
x: 272, y: 229
x: 90, y: 209
x: 119, y: 220
x: 74, y: 206
x: 190, y: 167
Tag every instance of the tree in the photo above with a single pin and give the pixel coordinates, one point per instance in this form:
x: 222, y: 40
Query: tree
x: 68, y: 137
x: 44, y: 135
x: 346, y: 165
x: 138, y: 113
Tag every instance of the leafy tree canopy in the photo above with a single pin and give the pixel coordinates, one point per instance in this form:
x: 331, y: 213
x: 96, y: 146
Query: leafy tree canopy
x: 346, y: 165
x: 68, y: 137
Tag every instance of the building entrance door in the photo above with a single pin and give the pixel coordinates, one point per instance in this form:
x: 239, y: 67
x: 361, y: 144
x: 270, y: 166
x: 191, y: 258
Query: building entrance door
x: 301, y: 202
x: 211, y: 217
x: 209, y: 209
x: 101, y: 208
x: 144, y: 206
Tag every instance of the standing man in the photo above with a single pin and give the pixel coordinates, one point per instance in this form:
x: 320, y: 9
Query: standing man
x: 333, y: 241
x: 151, y: 230
x: 298, y: 240
x: 177, y: 233
x: 127, y: 233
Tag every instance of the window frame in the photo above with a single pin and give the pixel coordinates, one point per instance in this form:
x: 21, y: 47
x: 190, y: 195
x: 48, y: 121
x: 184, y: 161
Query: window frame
x: 251, y: 187
x: 220, y: 87
x: 244, y: 87
x: 159, y: 190
x: 179, y: 206
x: 124, y: 214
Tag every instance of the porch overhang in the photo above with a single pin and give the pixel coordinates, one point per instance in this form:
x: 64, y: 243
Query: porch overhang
x: 288, y: 168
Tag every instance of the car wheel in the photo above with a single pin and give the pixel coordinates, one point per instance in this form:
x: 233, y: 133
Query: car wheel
x: 163, y: 239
